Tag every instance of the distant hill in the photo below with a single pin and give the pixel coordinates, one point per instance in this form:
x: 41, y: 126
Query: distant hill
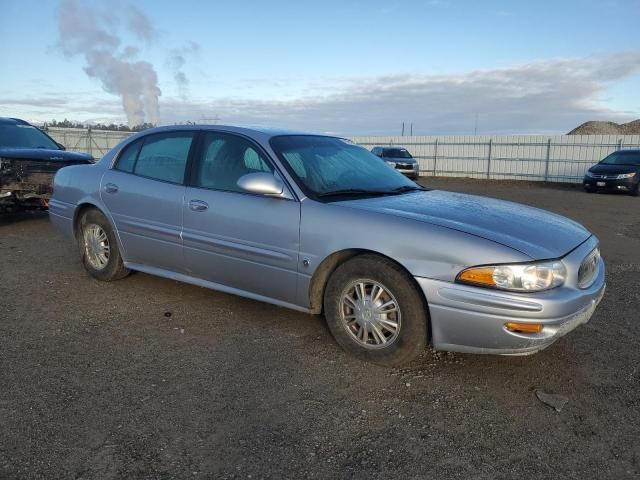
x: 607, y: 128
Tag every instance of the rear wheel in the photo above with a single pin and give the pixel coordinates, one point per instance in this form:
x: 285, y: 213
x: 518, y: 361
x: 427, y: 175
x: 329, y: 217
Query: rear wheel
x: 375, y: 311
x: 99, y: 248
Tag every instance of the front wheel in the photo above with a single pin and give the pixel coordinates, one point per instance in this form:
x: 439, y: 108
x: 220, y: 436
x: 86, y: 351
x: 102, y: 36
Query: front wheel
x: 375, y: 311
x: 99, y: 248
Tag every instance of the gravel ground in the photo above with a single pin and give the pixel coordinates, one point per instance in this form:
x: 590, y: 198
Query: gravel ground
x: 150, y: 378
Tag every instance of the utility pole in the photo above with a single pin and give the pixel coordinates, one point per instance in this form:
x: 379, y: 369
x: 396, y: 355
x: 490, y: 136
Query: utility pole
x: 411, y: 134
x: 475, y: 127
x: 403, y: 129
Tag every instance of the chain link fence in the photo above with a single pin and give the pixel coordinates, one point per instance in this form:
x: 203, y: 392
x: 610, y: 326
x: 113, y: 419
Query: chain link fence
x: 93, y: 142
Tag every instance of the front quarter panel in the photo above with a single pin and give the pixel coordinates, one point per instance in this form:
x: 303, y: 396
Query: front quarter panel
x: 425, y: 250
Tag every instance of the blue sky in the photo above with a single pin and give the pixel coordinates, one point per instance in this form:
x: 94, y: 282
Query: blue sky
x: 348, y: 67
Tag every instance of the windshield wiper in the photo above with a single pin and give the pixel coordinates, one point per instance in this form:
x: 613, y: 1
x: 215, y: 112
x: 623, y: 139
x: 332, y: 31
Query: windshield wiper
x: 408, y: 188
x: 363, y: 191
x: 353, y: 191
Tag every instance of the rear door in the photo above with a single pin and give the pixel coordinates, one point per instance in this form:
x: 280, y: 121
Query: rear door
x: 237, y: 239
x: 144, y: 193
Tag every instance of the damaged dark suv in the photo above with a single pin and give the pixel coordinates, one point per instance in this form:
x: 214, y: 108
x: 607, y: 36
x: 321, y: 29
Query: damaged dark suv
x: 29, y: 159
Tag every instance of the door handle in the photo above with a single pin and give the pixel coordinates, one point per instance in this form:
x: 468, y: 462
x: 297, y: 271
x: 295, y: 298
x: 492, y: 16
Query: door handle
x: 110, y: 188
x: 198, y: 205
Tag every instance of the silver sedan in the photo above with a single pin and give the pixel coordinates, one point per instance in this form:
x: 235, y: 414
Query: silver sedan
x: 320, y: 225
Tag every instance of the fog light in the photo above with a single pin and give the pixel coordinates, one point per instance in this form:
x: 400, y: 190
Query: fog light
x: 524, y: 327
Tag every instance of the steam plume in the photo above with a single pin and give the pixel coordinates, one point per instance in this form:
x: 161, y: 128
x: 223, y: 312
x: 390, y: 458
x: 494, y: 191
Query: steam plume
x: 176, y: 60
x: 83, y: 32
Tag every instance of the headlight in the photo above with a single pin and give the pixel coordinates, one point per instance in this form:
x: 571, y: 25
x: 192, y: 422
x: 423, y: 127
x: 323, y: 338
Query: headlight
x: 390, y: 163
x: 589, y: 174
x: 527, y: 277
x: 626, y: 175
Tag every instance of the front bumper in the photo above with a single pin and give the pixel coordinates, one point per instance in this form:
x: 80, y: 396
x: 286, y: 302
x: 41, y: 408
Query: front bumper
x: 611, y: 185
x: 472, y: 320
x: 411, y: 172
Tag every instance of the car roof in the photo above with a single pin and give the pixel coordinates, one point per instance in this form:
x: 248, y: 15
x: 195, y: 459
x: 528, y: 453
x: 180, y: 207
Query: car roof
x: 12, y: 121
x: 262, y: 132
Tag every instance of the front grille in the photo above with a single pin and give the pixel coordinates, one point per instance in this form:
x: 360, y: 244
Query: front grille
x: 604, y: 177
x: 589, y: 269
x: 405, y: 166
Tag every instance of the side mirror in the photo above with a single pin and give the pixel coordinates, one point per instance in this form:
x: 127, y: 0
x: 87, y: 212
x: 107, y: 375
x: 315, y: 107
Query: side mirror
x: 61, y: 146
x: 262, y: 183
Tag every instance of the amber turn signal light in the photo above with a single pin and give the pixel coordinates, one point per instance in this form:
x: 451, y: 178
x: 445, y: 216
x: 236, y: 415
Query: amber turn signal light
x: 524, y: 327
x: 479, y: 276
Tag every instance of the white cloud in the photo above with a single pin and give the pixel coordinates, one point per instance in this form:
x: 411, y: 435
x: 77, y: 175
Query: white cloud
x: 547, y: 96
x: 543, y: 96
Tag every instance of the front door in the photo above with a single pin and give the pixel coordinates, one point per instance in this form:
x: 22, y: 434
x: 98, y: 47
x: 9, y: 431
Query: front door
x: 244, y: 241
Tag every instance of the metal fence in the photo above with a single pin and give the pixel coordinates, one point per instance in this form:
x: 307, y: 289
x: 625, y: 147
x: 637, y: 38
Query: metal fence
x: 560, y: 158
x: 93, y: 142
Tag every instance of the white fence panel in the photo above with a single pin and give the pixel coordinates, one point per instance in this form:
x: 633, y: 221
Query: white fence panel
x: 559, y: 158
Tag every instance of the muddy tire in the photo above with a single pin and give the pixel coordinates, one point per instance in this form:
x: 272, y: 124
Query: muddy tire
x: 99, y: 248
x: 376, y: 312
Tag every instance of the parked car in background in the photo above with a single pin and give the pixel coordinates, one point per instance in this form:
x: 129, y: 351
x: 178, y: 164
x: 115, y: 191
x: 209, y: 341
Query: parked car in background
x: 617, y: 172
x: 398, y: 158
x: 29, y: 158
x: 320, y: 225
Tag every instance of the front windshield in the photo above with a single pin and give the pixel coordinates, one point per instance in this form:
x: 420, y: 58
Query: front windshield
x: 623, y: 158
x: 396, y: 153
x: 327, y: 165
x: 24, y: 136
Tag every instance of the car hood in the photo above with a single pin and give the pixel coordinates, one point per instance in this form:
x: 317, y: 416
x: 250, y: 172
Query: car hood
x: 62, y: 156
x: 601, y: 168
x: 534, y: 232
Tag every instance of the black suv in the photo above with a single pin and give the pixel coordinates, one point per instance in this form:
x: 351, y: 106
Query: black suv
x: 618, y: 172
x: 29, y: 158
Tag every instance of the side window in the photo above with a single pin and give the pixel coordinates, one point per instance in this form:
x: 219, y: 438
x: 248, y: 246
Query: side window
x: 225, y: 158
x: 164, y: 157
x: 127, y: 158
x: 295, y: 160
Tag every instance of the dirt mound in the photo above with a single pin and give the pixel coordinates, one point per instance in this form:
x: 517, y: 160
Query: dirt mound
x: 607, y: 128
